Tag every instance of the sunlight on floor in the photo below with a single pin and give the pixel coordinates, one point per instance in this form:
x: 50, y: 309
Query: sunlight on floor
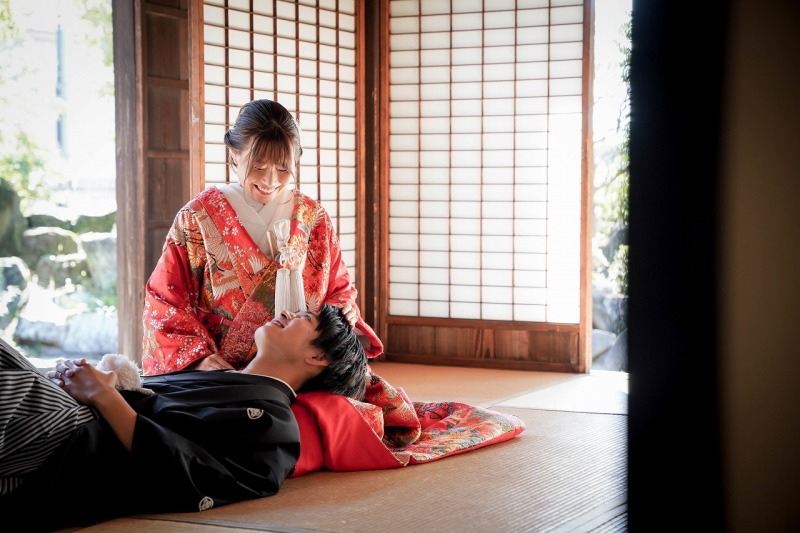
x: 601, y: 391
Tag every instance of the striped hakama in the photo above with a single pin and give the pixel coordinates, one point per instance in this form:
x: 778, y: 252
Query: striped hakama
x: 36, y: 416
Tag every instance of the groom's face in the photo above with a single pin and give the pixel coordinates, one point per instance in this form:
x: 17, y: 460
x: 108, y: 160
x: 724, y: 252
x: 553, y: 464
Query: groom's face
x: 289, y: 336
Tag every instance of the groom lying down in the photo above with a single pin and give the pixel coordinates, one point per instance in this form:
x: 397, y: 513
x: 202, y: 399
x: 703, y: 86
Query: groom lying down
x: 200, y: 439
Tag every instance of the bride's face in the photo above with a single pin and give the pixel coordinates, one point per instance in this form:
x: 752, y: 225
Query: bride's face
x: 263, y: 180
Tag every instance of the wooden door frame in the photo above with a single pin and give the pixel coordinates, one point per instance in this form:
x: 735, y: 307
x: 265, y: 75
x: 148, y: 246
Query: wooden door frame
x: 126, y: 15
x: 150, y: 84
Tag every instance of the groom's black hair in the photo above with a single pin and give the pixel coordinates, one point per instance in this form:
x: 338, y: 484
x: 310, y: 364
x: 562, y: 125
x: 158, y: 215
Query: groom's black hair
x: 346, y: 373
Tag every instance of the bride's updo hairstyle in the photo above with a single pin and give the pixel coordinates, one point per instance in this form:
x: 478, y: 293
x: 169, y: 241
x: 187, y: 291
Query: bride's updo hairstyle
x: 269, y: 131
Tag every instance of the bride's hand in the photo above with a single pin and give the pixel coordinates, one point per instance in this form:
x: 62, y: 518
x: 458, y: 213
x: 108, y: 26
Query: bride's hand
x: 350, y: 314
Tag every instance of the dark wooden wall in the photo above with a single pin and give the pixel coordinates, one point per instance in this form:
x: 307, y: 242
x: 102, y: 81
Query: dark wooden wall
x: 152, y: 52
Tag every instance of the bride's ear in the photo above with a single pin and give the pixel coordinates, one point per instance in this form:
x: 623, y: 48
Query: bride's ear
x: 319, y: 359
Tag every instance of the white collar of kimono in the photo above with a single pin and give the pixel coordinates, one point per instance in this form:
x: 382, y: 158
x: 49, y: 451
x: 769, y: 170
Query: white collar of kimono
x: 263, y: 214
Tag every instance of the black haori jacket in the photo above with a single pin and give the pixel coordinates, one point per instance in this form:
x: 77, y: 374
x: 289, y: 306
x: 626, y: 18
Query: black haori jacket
x: 203, y: 440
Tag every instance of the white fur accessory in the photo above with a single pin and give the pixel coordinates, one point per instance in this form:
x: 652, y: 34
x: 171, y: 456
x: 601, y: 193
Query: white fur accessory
x: 129, y: 377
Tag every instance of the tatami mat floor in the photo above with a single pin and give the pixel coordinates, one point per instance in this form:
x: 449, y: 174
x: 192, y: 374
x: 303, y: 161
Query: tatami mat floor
x: 600, y: 391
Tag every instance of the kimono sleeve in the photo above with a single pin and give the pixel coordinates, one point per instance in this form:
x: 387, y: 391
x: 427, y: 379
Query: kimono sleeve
x: 174, y: 336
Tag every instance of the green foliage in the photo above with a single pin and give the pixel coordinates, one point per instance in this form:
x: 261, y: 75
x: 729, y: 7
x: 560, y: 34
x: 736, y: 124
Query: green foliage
x: 8, y: 29
x: 620, y: 180
x: 98, y: 14
x: 23, y: 165
x: 8, y: 34
x: 611, y: 194
x: 618, y: 270
x: 22, y: 162
x: 625, y: 126
x: 107, y: 300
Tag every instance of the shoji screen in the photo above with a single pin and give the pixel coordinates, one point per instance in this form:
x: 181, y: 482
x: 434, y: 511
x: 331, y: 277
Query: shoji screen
x: 486, y: 104
x: 302, y: 54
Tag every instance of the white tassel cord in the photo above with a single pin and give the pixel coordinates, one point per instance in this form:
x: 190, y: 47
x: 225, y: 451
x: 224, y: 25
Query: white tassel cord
x: 297, y: 291
x: 282, y: 288
x: 289, y: 291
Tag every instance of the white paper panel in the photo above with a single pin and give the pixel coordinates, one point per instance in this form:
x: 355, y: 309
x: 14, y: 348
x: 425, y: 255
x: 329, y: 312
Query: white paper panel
x: 432, y: 241
x: 466, y: 310
x: 433, y: 292
x: 404, y: 274
x: 468, y: 278
x: 213, y: 14
x: 402, y: 307
x: 500, y: 5
x: 467, y: 21
x: 402, y: 290
x: 401, y: 8
x: 531, y: 313
x: 499, y: 19
x: 526, y: 279
x: 438, y: 41
x: 532, y: 17
x: 496, y: 311
x: 403, y: 242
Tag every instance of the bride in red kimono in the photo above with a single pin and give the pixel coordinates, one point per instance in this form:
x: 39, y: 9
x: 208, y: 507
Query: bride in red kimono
x: 240, y: 253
